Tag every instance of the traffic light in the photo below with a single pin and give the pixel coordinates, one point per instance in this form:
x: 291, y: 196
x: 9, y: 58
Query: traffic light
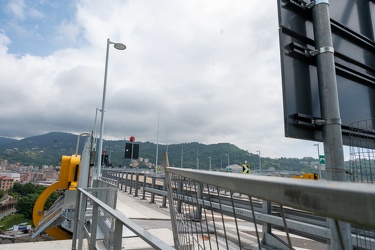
x: 131, y: 150
x: 105, y: 160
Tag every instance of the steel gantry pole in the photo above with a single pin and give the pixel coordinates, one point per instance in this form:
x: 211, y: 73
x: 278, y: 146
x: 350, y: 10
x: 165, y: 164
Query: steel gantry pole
x: 329, y: 106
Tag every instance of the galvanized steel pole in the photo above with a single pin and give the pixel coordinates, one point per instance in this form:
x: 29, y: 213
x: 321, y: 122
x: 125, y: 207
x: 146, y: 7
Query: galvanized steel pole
x: 118, y: 46
x: 329, y: 106
x: 100, y: 149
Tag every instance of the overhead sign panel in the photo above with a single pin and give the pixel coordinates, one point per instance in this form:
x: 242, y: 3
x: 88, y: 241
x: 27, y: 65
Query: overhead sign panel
x: 353, y: 31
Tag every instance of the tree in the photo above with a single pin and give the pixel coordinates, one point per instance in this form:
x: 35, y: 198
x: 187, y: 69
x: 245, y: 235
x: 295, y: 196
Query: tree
x: 17, y: 188
x: 29, y: 194
x: 39, y: 189
x: 2, y: 193
x: 51, y: 199
x: 25, y: 205
x: 28, y: 188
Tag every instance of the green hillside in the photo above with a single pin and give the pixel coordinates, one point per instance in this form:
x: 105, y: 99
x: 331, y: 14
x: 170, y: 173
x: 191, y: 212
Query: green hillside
x: 47, y: 150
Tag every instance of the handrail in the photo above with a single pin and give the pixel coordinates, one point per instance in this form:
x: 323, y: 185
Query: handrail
x: 230, y: 202
x: 350, y: 202
x: 121, y: 219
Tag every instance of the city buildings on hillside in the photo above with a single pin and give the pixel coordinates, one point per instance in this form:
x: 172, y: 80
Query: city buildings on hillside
x: 6, y: 183
x: 16, y: 176
x: 20, y: 173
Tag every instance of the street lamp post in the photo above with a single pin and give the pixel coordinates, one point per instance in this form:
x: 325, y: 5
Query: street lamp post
x: 110, y: 157
x: 197, y: 160
x: 228, y: 158
x: 209, y: 163
x: 320, y: 166
x: 260, y: 162
x: 118, y: 46
x: 182, y: 155
x: 221, y: 163
x: 94, y: 132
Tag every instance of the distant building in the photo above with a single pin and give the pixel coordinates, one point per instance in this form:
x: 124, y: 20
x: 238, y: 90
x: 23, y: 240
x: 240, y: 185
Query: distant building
x: 51, y: 175
x: 4, y: 163
x: 25, y: 176
x: 234, y: 168
x: 16, y: 176
x: 6, y: 183
x: 36, y: 177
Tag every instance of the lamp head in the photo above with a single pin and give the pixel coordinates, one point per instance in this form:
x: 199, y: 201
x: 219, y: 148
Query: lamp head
x: 119, y: 46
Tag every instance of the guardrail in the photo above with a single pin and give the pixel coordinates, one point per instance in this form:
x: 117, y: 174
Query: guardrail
x: 134, y: 181
x: 93, y: 211
x: 211, y: 193
x: 197, y: 220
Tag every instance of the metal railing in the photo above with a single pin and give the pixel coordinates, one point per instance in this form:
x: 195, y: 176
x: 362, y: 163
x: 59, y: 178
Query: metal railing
x: 362, y: 152
x: 204, y: 214
x: 301, y: 223
x: 135, y: 181
x: 97, y: 210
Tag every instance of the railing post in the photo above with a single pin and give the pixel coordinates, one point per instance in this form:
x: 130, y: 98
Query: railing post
x: 171, y: 208
x: 94, y: 226
x: 118, y: 179
x: 144, y: 186
x: 115, y: 195
x: 76, y: 220
x: 266, y: 227
x: 270, y: 239
x: 198, y: 212
x: 131, y: 183
x: 126, y: 182
x: 164, y: 202
x: 179, y: 193
x: 117, y: 237
x: 81, y: 220
x: 122, y: 180
x: 136, y: 185
x: 153, y: 187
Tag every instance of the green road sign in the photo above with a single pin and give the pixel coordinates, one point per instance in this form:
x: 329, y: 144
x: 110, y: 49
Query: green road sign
x: 322, y: 159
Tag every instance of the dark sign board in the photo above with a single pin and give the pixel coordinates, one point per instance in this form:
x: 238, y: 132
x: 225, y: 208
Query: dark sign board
x: 353, y: 31
x: 131, y: 150
x: 105, y: 160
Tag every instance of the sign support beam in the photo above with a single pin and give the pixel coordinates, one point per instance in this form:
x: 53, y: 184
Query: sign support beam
x: 329, y: 103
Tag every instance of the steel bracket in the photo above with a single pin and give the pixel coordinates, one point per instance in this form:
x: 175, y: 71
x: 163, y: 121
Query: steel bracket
x: 329, y: 121
x: 326, y: 49
x: 316, y: 2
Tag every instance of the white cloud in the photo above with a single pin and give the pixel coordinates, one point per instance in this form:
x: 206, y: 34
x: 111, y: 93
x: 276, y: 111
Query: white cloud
x: 209, y: 68
x: 20, y: 10
x: 17, y: 8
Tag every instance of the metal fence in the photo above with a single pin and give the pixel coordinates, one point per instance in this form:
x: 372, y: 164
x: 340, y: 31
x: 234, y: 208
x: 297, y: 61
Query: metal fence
x: 212, y: 210
x: 96, y: 212
x: 362, y: 156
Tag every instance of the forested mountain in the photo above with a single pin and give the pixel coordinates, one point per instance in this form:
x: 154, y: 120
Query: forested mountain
x: 48, y: 149
x: 6, y: 140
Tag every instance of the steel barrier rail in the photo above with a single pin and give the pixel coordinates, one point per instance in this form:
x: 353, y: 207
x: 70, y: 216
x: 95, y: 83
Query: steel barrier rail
x: 349, y: 202
x: 119, y: 220
x: 311, y: 227
x: 296, y: 194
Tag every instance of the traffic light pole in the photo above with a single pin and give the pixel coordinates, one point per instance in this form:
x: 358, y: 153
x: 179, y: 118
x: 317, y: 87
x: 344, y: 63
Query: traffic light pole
x: 329, y: 105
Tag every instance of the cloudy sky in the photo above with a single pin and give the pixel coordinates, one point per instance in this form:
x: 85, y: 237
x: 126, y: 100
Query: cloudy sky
x: 208, y: 71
